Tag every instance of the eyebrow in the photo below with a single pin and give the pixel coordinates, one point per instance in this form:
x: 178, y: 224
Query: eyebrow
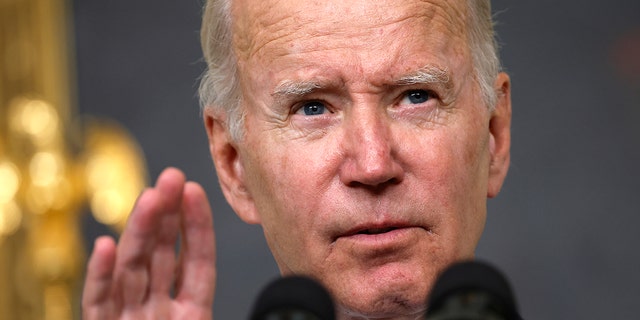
x: 427, y: 74
x: 295, y: 88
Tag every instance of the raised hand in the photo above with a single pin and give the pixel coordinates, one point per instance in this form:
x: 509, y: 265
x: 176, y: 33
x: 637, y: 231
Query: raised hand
x: 135, y: 278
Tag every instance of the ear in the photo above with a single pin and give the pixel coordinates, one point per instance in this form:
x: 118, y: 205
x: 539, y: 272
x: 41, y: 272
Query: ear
x: 500, y: 135
x: 229, y: 167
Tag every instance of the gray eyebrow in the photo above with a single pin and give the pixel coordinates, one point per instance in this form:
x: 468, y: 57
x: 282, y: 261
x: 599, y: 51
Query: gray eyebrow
x: 293, y: 88
x: 427, y: 74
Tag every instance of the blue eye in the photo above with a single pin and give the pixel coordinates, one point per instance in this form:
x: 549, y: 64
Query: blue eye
x: 313, y: 108
x: 418, y: 96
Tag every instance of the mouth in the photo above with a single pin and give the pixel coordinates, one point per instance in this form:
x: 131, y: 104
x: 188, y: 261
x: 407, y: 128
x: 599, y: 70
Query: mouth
x: 378, y: 238
x: 374, y: 231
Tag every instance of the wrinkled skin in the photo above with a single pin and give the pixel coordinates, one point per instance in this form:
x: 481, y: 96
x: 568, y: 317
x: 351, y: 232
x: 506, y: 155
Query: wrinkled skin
x: 367, y: 158
x: 337, y: 144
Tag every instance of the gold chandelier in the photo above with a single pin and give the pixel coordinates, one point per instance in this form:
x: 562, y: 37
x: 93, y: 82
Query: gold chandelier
x: 52, y: 165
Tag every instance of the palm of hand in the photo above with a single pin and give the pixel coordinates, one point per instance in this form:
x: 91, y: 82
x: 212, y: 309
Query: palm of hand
x: 134, y: 279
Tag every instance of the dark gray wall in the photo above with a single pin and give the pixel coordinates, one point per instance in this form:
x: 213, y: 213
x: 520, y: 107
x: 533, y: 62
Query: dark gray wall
x: 564, y: 228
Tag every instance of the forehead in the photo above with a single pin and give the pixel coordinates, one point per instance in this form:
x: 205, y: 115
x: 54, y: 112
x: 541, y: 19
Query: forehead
x: 362, y: 31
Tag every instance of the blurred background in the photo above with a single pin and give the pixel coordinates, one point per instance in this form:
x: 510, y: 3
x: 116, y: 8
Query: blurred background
x: 119, y: 104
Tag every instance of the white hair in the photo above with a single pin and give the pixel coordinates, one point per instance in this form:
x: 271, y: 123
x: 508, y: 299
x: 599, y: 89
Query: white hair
x: 220, y: 89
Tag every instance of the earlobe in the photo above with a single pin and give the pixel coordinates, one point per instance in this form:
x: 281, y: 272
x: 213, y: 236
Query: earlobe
x: 229, y: 168
x: 500, y: 135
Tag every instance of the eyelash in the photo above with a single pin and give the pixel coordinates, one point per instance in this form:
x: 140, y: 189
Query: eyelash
x: 430, y: 95
x: 299, y: 107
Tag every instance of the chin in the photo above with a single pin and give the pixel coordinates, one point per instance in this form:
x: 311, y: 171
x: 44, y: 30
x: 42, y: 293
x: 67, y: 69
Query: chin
x: 384, y: 312
x: 384, y: 303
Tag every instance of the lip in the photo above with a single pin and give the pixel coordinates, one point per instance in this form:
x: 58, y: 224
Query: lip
x: 374, y: 229
x: 379, y: 235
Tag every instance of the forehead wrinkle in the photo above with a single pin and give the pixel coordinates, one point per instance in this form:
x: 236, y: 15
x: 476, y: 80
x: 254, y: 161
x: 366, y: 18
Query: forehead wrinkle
x: 255, y: 24
x: 454, y: 14
x: 259, y: 26
x: 280, y: 43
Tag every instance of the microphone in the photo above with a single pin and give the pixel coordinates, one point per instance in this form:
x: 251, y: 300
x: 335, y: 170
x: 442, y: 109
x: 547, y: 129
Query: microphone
x: 472, y: 291
x: 294, y: 298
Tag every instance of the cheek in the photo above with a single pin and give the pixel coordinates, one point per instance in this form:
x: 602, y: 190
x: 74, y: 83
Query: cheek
x: 288, y: 179
x: 287, y: 183
x: 471, y: 189
x: 453, y: 170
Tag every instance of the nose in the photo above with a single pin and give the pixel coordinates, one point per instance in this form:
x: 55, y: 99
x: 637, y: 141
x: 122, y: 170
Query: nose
x: 370, y: 151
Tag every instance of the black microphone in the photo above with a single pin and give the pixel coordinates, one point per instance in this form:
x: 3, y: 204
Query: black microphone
x: 294, y: 298
x: 472, y: 290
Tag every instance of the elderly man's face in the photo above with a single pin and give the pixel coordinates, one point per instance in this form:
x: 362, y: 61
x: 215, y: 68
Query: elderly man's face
x: 369, y: 153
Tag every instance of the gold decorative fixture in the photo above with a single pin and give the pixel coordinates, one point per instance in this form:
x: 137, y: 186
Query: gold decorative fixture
x: 51, y: 165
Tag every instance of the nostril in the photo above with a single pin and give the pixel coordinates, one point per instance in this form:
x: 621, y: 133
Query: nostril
x: 375, y: 188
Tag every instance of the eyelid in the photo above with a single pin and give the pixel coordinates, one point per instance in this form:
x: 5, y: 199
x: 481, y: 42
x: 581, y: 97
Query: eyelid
x: 432, y: 93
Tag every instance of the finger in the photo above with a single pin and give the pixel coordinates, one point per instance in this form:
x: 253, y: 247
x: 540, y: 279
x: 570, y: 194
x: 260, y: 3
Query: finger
x: 142, y: 235
x: 163, y: 260
x: 197, y: 276
x: 99, y: 279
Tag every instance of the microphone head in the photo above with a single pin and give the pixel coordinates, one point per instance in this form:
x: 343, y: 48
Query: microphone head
x: 294, y: 297
x: 472, y: 290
